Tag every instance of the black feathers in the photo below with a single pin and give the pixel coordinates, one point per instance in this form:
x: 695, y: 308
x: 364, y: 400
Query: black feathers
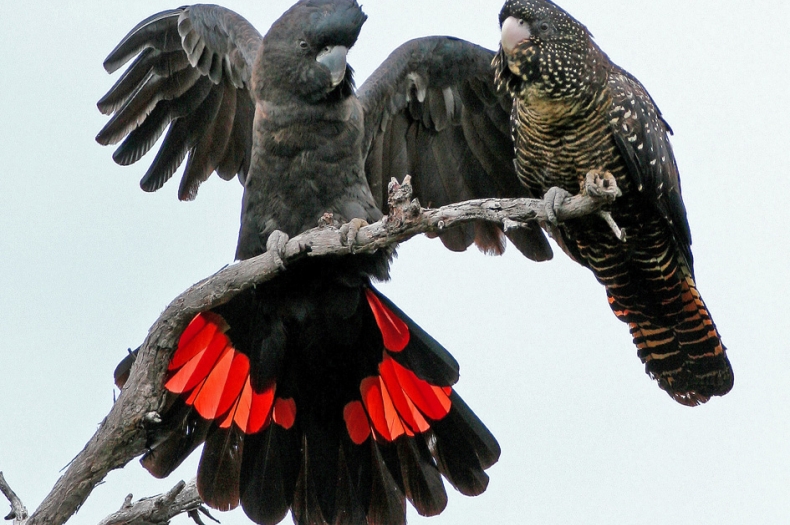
x: 312, y: 392
x: 430, y: 110
x: 179, y: 81
x: 333, y: 22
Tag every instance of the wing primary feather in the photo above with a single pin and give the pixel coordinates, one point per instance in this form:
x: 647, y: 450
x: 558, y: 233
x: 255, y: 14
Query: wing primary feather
x: 211, y: 148
x: 151, y: 92
x: 148, y: 33
x: 236, y: 161
x: 141, y: 140
x: 531, y: 242
x: 119, y: 93
x: 149, y: 61
x: 182, y: 136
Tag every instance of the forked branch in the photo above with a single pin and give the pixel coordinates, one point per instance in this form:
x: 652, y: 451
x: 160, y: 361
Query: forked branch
x: 122, y: 435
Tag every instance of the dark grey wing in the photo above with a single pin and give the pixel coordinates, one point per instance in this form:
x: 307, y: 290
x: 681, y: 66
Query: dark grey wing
x: 191, y: 75
x: 431, y: 111
x: 642, y: 136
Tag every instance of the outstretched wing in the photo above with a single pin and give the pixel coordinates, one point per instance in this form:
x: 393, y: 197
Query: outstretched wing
x: 431, y: 111
x: 192, y: 74
x: 642, y: 137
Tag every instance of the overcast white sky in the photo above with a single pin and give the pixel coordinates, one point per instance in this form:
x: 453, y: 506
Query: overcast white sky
x: 89, y: 261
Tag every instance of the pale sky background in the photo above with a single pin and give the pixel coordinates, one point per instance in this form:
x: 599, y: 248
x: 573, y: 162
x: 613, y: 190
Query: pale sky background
x: 89, y: 261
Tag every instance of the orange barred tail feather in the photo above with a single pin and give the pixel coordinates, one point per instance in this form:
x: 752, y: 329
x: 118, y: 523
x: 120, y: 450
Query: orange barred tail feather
x: 682, y: 350
x: 339, y: 415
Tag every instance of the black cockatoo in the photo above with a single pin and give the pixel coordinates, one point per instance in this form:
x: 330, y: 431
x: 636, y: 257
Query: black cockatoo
x: 574, y: 111
x: 312, y: 392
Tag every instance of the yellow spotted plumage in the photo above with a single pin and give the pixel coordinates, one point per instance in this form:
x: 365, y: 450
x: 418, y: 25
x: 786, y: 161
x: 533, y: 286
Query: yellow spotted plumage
x: 575, y: 111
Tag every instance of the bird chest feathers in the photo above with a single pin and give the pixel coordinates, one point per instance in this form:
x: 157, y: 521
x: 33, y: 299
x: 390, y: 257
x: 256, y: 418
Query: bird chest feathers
x: 559, y: 140
x: 308, y: 162
x: 290, y: 129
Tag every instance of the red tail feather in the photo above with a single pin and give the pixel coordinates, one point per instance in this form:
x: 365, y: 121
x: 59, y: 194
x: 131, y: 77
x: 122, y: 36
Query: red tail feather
x: 395, y: 402
x: 393, y: 329
x: 357, y: 422
x: 252, y: 409
x: 198, y: 334
x: 380, y: 408
x: 217, y: 379
x: 406, y: 409
x: 257, y: 452
x: 284, y: 413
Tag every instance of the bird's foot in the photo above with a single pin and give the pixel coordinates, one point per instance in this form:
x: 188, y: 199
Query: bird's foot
x: 275, y: 245
x: 553, y: 201
x: 349, y: 231
x: 601, y: 184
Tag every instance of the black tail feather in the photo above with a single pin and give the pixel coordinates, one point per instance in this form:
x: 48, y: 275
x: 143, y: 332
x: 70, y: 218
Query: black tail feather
x: 220, y: 466
x: 464, y: 448
x: 269, y: 470
x: 421, y: 478
x: 387, y: 504
x: 329, y: 450
x: 350, y: 510
x: 359, y: 465
x: 425, y: 356
x: 182, y: 431
x: 319, y: 474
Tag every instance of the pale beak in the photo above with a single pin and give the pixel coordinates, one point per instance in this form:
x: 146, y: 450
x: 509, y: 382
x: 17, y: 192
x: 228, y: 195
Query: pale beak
x: 334, y: 57
x: 514, y: 31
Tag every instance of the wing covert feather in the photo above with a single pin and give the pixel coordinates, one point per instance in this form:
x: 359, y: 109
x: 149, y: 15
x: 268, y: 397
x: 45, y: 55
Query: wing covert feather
x: 431, y: 111
x: 642, y: 135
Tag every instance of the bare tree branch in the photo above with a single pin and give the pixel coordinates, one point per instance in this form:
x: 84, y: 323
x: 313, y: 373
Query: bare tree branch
x: 122, y: 435
x: 156, y: 510
x: 18, y: 511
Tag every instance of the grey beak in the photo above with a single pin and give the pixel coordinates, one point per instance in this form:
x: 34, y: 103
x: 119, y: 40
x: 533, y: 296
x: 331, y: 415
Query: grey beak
x: 334, y: 57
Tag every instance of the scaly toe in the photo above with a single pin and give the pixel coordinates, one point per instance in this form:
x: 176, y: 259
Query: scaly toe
x: 349, y: 231
x: 553, y: 202
x: 275, y: 245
